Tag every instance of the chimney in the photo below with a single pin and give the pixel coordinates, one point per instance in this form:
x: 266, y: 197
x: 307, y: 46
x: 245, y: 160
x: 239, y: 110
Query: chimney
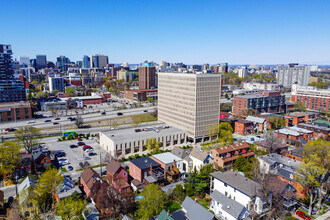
x: 150, y: 168
x: 174, y: 163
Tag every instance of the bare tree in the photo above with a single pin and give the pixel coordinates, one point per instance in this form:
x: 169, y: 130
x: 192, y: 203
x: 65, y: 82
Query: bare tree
x: 272, y: 141
x: 107, y: 158
x: 79, y: 121
x: 29, y: 136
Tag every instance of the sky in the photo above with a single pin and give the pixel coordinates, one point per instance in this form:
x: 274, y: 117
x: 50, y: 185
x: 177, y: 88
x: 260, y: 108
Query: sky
x: 188, y: 31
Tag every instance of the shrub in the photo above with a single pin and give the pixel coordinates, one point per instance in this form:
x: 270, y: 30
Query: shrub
x: 88, y: 135
x: 136, y: 156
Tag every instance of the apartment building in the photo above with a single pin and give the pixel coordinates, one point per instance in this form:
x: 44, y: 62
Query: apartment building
x: 189, y: 101
x: 292, y: 74
x: 262, y: 86
x: 300, y: 117
x: 311, y: 97
x: 262, y: 102
x: 147, y: 77
x: 294, y: 135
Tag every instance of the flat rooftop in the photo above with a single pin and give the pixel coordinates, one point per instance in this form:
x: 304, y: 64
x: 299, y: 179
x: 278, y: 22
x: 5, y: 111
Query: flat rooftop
x: 146, y: 132
x: 167, y: 157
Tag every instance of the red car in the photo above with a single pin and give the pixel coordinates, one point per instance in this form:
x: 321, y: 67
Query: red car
x: 86, y: 146
x: 79, y: 139
x: 302, y: 215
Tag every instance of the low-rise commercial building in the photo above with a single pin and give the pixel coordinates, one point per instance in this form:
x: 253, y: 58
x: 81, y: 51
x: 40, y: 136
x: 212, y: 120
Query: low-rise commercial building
x: 13, y: 111
x: 132, y: 140
x: 141, y: 95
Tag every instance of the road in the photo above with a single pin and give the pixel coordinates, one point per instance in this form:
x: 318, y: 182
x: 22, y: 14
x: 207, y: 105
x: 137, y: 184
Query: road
x: 40, y: 123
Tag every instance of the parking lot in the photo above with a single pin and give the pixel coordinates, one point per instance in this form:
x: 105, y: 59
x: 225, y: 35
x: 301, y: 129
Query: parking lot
x: 76, y: 155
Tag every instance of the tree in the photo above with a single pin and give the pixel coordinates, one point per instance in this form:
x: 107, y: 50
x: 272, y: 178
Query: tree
x: 153, y: 202
x: 9, y: 154
x: 153, y: 145
x: 41, y: 95
x: 155, y: 113
x: 28, y: 136
x: 55, y: 91
x: 212, y: 130
x: 79, y: 121
x: 178, y: 194
x: 225, y: 133
x: 300, y: 106
x: 70, y: 92
x: 226, y: 96
x: 277, y: 122
x: 310, y: 177
x: 189, y: 190
x: 200, y: 181
x: 273, y: 142
x: 70, y: 208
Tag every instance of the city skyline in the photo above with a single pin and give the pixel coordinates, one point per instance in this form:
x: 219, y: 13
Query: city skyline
x: 239, y: 32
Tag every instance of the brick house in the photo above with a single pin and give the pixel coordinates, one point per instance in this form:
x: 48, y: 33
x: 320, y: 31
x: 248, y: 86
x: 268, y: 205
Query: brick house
x: 141, y: 168
x: 243, y: 127
x: 318, y: 131
x: 296, y: 118
x: 294, y: 135
x: 88, y: 178
x: 42, y: 157
x: 118, y: 177
x: 296, y: 154
x: 225, y: 157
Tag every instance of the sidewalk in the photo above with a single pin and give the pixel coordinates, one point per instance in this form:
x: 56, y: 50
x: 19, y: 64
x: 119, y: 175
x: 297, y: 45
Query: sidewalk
x: 324, y: 216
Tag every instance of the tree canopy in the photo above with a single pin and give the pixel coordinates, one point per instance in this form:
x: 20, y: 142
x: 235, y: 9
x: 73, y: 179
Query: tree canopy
x: 277, y: 122
x: 70, y: 92
x: 71, y: 208
x: 153, y: 145
x: 225, y: 133
x: 28, y: 136
x: 9, y: 154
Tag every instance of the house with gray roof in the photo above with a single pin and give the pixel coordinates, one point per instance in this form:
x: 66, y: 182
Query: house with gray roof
x: 259, y: 124
x: 200, y: 158
x: 236, y: 187
x: 184, y: 155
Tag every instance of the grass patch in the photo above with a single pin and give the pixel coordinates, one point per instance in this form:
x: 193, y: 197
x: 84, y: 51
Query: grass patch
x: 95, y: 166
x: 172, y: 206
x: 63, y: 169
x: 204, y: 202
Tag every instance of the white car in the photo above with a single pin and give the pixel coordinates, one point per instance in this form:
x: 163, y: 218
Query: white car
x: 89, y: 150
x: 62, y: 163
x: 30, y: 122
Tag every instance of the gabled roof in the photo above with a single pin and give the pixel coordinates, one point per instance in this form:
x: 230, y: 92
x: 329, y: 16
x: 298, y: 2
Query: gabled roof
x: 239, y: 182
x: 89, y: 176
x: 199, y: 154
x: 194, y: 211
x: 113, y: 166
x: 182, y: 153
x: 144, y: 162
x: 230, y: 206
x: 256, y: 119
x: 164, y: 216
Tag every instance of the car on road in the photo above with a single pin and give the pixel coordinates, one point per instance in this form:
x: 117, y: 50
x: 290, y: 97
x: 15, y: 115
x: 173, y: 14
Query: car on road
x: 86, y: 158
x: 70, y: 168
x: 73, y: 146
x: 73, y: 119
x: 48, y: 120
x: 55, y: 123
x: 80, y: 143
x: 79, y: 139
x: 30, y: 122
x: 119, y: 113
x: 57, y: 119
x: 92, y: 153
x: 302, y: 215
x: 10, y: 129
x: 145, y: 111
x: 90, y: 106
x: 103, y: 113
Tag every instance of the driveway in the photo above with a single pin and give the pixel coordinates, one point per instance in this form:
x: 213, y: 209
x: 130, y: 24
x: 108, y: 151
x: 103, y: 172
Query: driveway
x: 171, y: 186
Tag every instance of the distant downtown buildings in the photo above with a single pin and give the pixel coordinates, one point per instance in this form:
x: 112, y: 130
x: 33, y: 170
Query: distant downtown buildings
x: 293, y: 74
x: 189, y: 101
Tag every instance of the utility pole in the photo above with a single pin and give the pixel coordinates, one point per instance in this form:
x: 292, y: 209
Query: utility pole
x: 101, y: 164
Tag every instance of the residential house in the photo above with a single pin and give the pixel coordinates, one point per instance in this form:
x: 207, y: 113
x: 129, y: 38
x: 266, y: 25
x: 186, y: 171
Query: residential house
x: 294, y: 135
x: 323, y: 123
x: 296, y: 154
x: 243, y: 126
x: 164, y: 216
x: 282, y: 189
x: 192, y: 210
x: 24, y: 189
x: 318, y: 131
x: 259, y: 124
x: 264, y: 146
x: 88, y: 178
x: 187, y: 163
x: 68, y: 187
x: 140, y: 168
x: 42, y: 157
x: 284, y: 168
x: 118, y: 177
x: 171, y: 165
x: 238, y: 188
x: 296, y: 118
x: 225, y: 157
x: 90, y: 212
x: 200, y: 158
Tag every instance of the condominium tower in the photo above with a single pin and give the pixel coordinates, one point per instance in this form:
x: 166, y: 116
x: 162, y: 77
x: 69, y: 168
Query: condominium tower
x: 189, y: 101
x: 293, y: 74
x: 99, y: 61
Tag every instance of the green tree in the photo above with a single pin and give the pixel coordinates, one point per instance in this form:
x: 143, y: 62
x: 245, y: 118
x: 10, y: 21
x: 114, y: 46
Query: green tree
x: 189, y: 190
x: 153, y: 202
x: 300, y: 106
x: 55, y: 91
x: 41, y: 95
x: 310, y: 177
x: 153, y: 145
x: 178, y: 194
x: 9, y: 154
x: 28, y: 136
x: 70, y: 92
x: 277, y: 122
x: 71, y: 208
x: 225, y: 133
x: 200, y: 181
x: 34, y: 82
x: 212, y: 131
x: 226, y: 96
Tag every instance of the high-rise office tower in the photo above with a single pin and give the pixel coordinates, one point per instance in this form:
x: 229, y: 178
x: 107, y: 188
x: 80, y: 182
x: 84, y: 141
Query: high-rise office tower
x: 24, y: 61
x: 11, y: 89
x: 86, y: 62
x: 242, y: 72
x: 163, y: 64
x: 56, y: 83
x: 147, y: 77
x: 223, y: 68
x: 41, y: 61
x: 189, y: 101
x: 293, y: 74
x: 99, y: 61
x: 62, y: 63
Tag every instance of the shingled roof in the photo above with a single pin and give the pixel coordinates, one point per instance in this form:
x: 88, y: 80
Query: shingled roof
x: 113, y: 166
x: 89, y: 176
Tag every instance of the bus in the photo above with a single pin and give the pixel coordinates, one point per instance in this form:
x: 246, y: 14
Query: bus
x: 66, y: 133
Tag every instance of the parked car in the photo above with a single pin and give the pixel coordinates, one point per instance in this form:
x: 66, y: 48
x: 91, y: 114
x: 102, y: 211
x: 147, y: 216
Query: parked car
x: 55, y: 123
x: 119, y: 113
x: 73, y: 146
x: 30, y: 122
x: 10, y: 129
x: 63, y: 163
x: 79, y: 138
x: 185, y: 180
x: 145, y: 111
x: 81, y: 143
x: 86, y: 146
x: 60, y: 154
x: 57, y: 119
x: 86, y: 158
x: 103, y: 113
x: 70, y: 168
x: 90, y: 106
x: 302, y: 215
x: 72, y: 119
x: 92, y: 153
x: 81, y: 135
x: 62, y: 159
x: 306, y: 209
x: 48, y: 120
x: 88, y: 149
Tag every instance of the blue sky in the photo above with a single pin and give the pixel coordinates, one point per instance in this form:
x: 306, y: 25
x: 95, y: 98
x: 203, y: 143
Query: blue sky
x: 189, y: 31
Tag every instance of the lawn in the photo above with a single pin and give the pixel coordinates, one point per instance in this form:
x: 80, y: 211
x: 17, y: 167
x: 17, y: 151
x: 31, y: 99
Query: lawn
x: 172, y: 206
